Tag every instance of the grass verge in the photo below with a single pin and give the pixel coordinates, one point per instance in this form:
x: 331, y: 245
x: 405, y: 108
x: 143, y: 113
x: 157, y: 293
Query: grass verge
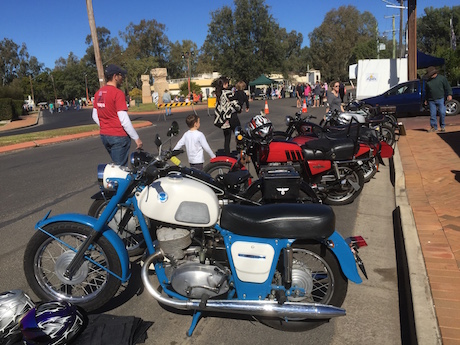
x: 21, y: 138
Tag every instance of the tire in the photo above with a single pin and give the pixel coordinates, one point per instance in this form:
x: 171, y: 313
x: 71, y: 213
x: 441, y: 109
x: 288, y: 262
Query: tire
x: 46, y: 259
x: 306, y: 194
x: 452, y: 107
x: 388, y: 134
x: 343, y: 194
x: 131, y: 235
x: 218, y: 168
x: 311, y: 262
x: 369, y: 169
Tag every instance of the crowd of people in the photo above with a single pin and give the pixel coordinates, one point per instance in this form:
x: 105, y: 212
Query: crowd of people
x: 316, y: 95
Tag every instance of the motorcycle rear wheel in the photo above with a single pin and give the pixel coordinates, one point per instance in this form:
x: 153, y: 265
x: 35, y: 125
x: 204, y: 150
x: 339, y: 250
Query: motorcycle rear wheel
x: 329, y: 285
x: 388, y: 134
x: 131, y: 235
x: 218, y: 168
x: 46, y: 259
x: 343, y: 194
x: 369, y: 169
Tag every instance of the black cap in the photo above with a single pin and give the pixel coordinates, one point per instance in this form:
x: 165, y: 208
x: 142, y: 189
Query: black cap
x: 110, y: 70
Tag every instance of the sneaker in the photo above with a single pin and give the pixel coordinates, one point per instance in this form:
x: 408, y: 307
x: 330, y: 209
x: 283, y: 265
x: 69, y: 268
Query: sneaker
x: 225, y: 125
x: 443, y: 129
x: 432, y: 129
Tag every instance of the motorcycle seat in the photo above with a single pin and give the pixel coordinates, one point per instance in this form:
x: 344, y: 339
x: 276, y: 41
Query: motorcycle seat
x: 361, y: 133
x: 326, y: 149
x: 296, y: 221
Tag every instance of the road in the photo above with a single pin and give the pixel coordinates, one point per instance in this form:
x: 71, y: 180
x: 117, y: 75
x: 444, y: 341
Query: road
x: 62, y: 178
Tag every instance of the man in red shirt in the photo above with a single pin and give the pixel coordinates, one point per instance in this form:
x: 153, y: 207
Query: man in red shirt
x: 110, y: 112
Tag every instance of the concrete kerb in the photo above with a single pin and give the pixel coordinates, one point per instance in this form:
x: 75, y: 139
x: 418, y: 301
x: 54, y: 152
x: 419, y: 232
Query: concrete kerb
x: 426, y: 324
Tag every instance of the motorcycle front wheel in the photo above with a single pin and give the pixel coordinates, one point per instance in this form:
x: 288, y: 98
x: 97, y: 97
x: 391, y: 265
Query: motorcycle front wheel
x: 131, y: 234
x: 317, y: 271
x: 47, y: 258
x: 347, y: 190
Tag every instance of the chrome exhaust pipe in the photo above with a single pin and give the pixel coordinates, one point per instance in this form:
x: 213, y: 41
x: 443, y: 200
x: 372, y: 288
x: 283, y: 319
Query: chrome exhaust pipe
x: 252, y: 307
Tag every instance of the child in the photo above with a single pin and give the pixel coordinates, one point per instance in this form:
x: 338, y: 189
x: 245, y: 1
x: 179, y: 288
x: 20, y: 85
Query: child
x: 194, y: 142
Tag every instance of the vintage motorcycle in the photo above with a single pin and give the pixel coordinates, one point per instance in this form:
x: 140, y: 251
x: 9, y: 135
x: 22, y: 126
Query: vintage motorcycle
x: 372, y: 144
x: 230, y: 187
x: 328, y: 166
x: 283, y: 263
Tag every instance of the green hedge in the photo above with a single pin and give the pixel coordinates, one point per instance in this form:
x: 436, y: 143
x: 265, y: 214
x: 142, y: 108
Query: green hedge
x: 11, y: 109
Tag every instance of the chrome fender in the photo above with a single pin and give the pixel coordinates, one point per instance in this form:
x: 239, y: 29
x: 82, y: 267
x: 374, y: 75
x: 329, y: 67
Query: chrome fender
x: 107, y: 232
x: 343, y: 253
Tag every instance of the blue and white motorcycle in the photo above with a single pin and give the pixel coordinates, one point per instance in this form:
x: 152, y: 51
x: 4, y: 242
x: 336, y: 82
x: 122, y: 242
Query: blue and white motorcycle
x: 282, y: 263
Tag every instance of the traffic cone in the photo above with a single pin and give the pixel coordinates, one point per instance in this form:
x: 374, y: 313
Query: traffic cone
x: 304, y: 106
x: 266, y: 108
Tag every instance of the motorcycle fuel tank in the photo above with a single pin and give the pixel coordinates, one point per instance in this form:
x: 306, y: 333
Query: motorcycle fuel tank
x: 181, y: 201
x: 281, y: 152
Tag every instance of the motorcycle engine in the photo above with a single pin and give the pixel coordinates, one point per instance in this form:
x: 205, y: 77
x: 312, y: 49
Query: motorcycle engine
x: 188, y: 274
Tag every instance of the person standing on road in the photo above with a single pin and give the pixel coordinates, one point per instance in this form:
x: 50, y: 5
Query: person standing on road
x: 241, y: 95
x: 316, y: 94
x: 342, y: 91
x: 437, y: 88
x: 195, y: 142
x: 167, y: 101
x: 333, y: 98
x: 225, y: 112
x: 110, y: 112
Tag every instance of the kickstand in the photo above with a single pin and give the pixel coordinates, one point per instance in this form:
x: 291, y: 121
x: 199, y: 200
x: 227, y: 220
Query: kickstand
x: 196, y: 318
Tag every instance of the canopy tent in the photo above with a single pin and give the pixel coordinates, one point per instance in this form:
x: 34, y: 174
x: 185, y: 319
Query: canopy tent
x: 262, y: 80
x: 425, y: 60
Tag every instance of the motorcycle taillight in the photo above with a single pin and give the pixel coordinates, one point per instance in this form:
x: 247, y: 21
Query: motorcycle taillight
x: 356, y: 241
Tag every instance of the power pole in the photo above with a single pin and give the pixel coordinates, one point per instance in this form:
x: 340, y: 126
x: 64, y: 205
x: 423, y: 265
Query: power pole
x: 97, y: 54
x: 412, y: 39
x: 401, y: 14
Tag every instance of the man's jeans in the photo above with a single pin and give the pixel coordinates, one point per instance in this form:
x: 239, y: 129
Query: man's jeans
x: 437, y: 104
x: 118, y: 148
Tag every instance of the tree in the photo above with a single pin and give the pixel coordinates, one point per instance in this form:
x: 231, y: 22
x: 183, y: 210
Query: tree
x: 147, y: 39
x: 9, y: 60
x: 177, y: 65
x: 333, y: 42
x: 246, y: 42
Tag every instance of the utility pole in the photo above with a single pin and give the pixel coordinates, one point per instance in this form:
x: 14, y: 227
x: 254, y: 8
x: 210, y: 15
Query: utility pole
x: 187, y: 55
x: 401, y: 15
x: 32, y: 89
x: 394, y: 34
x: 412, y: 39
x: 54, y: 87
x: 97, y: 54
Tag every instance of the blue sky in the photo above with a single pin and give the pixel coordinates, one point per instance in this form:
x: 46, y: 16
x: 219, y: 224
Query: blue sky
x: 54, y: 28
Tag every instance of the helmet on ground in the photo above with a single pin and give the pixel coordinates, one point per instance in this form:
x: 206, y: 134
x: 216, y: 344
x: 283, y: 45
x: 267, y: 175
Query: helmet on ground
x: 260, y: 128
x: 13, y: 304
x: 53, y: 323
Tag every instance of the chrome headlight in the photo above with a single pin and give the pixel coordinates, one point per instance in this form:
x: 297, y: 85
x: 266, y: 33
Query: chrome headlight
x: 288, y: 120
x: 100, y: 173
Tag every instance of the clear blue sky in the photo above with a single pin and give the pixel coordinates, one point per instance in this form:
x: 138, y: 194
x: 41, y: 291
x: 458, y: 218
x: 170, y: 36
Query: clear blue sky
x: 53, y: 28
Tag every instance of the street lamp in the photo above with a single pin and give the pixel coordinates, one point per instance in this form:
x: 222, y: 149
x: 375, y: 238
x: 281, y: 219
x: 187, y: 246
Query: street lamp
x: 187, y: 55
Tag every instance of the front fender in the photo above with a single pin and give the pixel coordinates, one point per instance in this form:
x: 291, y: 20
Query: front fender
x: 107, y: 232
x: 343, y: 253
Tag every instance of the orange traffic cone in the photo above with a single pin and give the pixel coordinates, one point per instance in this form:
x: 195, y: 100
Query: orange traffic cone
x: 304, y: 106
x: 266, y: 107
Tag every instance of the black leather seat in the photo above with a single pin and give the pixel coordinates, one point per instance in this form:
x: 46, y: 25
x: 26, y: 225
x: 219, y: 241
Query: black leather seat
x: 296, y: 221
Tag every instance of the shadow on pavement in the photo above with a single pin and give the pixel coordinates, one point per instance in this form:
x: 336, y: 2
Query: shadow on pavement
x: 453, y: 140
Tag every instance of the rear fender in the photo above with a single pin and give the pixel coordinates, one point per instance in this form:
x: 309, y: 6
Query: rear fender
x: 343, y: 253
x: 108, y: 233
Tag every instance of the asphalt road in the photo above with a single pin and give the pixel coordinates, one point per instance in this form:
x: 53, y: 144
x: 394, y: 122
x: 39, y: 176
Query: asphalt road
x: 62, y: 178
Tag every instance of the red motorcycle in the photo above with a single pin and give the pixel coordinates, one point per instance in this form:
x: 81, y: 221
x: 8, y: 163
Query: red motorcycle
x: 372, y: 144
x: 328, y: 166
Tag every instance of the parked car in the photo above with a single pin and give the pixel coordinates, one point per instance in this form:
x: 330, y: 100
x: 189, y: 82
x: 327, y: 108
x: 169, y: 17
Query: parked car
x: 408, y: 99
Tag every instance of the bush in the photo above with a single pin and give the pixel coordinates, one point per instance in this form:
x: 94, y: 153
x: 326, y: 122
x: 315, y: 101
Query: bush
x: 18, y: 108
x: 6, y: 109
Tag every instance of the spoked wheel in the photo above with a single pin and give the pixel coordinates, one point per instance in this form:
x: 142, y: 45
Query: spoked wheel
x: 131, y: 233
x: 345, y: 191
x: 219, y: 168
x: 369, y: 169
x: 46, y: 260
x: 317, y: 275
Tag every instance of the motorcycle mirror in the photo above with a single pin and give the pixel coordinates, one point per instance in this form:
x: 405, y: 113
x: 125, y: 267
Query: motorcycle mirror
x: 158, y: 140
x: 174, y: 129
